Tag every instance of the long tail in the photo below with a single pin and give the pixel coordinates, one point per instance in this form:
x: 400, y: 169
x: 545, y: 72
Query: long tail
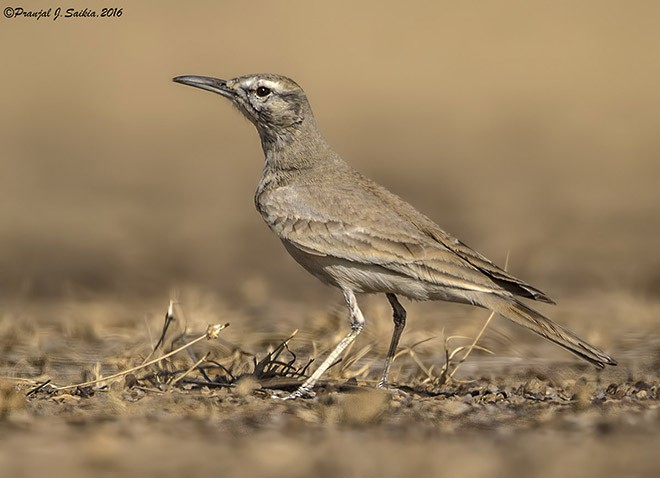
x: 523, y: 315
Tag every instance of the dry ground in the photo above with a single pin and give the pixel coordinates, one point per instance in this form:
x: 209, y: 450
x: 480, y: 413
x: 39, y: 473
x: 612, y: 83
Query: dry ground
x: 528, y: 407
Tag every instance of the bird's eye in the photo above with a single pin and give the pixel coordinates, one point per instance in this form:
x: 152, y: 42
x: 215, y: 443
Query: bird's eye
x: 262, y: 91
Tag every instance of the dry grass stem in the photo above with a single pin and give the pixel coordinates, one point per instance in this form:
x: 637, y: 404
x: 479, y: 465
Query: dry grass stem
x: 190, y: 369
x: 212, y: 332
x: 470, y: 348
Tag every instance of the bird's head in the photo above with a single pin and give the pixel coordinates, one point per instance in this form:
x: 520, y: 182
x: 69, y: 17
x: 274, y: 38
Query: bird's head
x: 275, y: 104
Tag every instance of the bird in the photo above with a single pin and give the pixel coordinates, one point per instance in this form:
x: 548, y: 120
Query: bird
x: 355, y: 235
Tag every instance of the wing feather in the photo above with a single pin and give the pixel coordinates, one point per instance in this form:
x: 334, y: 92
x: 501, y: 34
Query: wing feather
x: 370, y: 225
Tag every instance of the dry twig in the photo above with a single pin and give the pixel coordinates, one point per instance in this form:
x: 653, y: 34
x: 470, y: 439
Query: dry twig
x: 212, y: 332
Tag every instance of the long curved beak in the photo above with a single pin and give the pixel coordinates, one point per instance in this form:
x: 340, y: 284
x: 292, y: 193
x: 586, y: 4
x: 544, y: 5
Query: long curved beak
x: 206, y: 83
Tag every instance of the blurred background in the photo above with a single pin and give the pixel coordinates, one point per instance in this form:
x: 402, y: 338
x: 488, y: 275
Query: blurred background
x: 528, y: 129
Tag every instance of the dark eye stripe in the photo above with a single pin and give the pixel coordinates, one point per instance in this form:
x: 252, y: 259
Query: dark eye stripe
x: 263, y: 91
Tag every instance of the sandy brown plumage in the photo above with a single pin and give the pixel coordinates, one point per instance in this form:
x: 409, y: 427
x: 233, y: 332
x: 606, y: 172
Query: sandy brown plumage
x: 354, y: 234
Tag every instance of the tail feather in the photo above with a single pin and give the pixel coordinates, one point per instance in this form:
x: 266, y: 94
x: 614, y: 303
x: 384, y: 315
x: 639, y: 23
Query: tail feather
x: 541, y: 325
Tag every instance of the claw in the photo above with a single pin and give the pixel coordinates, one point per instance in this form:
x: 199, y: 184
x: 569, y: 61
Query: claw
x: 302, y: 392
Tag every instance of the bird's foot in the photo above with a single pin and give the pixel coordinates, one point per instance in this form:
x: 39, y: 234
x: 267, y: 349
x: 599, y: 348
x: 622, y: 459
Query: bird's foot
x: 387, y: 386
x: 302, y: 392
x: 393, y: 389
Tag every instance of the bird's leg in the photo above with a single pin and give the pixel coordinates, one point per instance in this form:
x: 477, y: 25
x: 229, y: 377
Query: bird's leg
x: 399, y: 316
x: 357, y: 323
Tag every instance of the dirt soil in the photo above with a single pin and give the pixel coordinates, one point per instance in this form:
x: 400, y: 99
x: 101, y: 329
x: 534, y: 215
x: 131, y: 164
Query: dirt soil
x: 500, y: 415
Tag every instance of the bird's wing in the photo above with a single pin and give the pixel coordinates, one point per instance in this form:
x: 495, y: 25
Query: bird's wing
x: 496, y: 274
x: 366, y: 230
x: 432, y: 230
